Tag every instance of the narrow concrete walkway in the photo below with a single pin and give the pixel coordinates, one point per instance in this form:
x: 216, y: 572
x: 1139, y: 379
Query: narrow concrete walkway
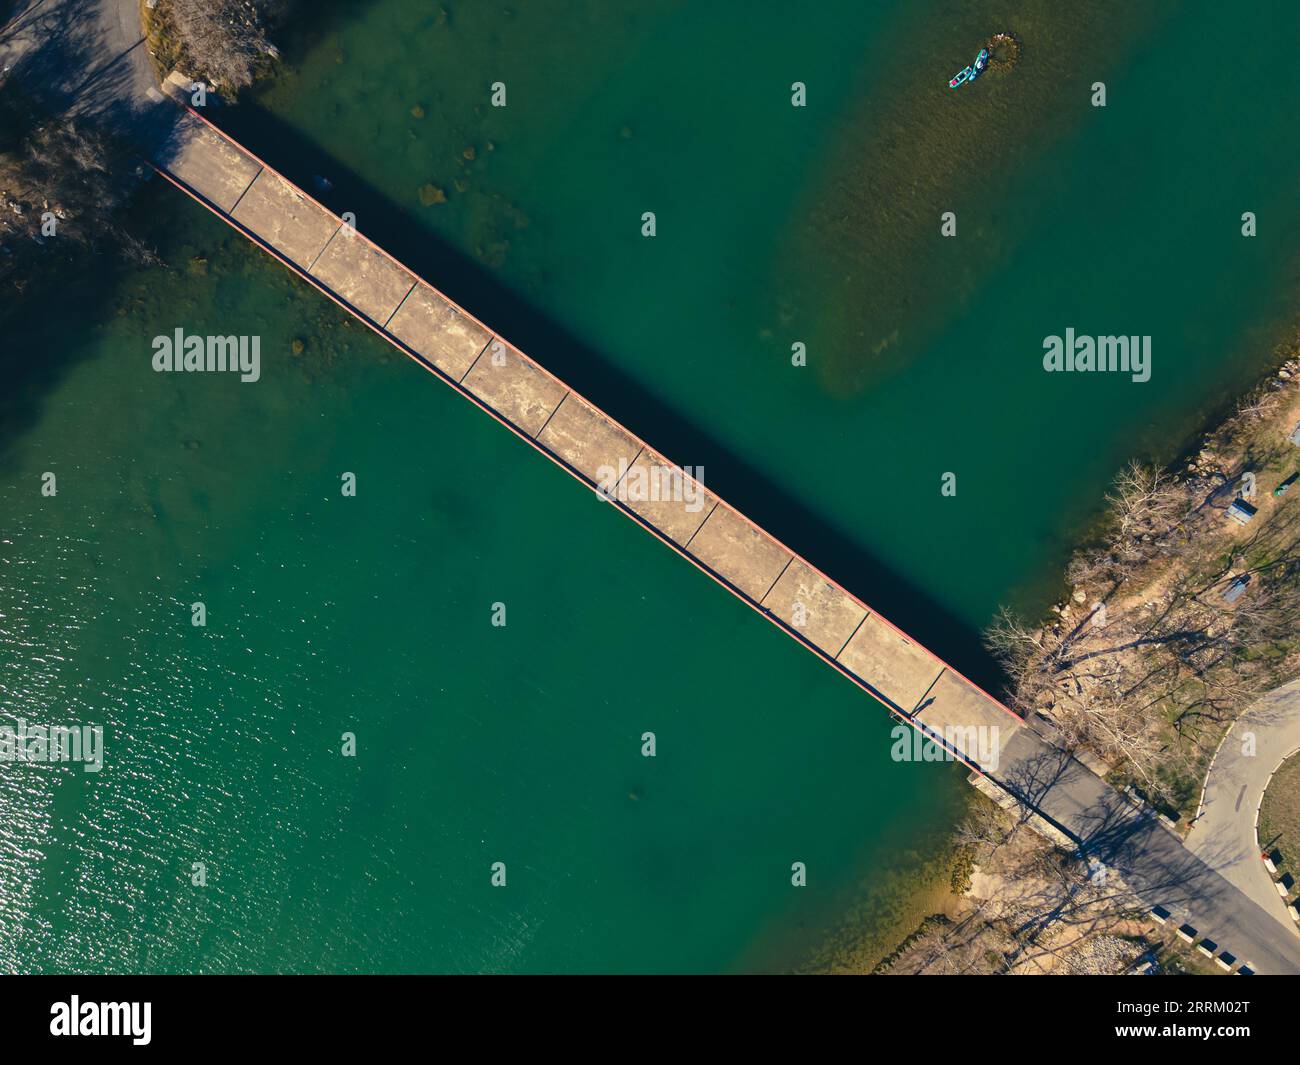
x: 1223, y: 835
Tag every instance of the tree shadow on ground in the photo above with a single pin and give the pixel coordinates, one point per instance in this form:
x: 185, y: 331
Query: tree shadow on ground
x: 59, y: 62
x: 57, y: 66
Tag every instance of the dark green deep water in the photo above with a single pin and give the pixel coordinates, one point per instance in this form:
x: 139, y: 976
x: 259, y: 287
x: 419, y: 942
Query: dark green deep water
x: 521, y: 744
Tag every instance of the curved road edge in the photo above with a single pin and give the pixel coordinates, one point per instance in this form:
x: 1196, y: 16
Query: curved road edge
x: 1223, y: 835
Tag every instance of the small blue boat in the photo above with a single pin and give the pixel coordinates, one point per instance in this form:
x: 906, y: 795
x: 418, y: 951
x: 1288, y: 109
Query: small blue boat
x: 971, y: 72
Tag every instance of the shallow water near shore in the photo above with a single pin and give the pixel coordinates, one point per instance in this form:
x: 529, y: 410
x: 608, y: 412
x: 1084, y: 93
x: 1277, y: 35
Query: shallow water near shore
x: 371, y: 615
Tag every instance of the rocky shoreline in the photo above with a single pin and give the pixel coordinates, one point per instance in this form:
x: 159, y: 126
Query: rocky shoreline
x: 1004, y: 918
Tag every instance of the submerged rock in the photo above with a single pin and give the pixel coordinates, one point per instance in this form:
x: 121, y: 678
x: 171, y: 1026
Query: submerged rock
x: 431, y: 194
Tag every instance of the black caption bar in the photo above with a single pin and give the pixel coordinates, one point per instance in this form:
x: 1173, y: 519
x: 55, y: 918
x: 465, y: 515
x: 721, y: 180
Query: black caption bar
x: 146, y: 1013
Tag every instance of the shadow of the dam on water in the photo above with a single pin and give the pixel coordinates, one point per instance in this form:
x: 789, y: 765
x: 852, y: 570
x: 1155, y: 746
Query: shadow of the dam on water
x: 765, y: 502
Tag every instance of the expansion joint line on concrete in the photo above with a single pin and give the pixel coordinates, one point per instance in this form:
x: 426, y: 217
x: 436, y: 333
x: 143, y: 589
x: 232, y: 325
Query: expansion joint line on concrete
x: 538, y: 435
x: 470, y: 368
x: 333, y: 236
x: 775, y: 581
x: 619, y: 480
x: 920, y: 703
x: 235, y: 206
x: 400, y: 304
x: 705, y: 522
x: 861, y: 621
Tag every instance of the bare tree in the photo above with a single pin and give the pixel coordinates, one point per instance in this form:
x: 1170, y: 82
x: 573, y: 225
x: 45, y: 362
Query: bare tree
x: 224, y: 41
x: 1119, y: 728
x: 1148, y: 677
x: 67, y: 185
x: 1145, y: 507
x: 1259, y: 404
x: 985, y: 828
x: 1017, y: 645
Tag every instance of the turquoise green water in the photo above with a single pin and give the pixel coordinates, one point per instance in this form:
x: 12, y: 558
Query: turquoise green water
x: 1123, y: 219
x: 371, y: 614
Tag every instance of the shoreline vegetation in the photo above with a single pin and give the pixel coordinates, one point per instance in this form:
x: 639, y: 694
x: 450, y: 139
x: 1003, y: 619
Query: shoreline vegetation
x: 1000, y: 897
x: 1141, y: 671
x: 1179, y: 616
x: 63, y: 185
x: 224, y: 43
x: 65, y: 182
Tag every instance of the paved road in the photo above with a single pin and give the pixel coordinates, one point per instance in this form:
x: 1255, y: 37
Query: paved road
x: 84, y: 57
x: 1152, y: 860
x: 1224, y: 833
